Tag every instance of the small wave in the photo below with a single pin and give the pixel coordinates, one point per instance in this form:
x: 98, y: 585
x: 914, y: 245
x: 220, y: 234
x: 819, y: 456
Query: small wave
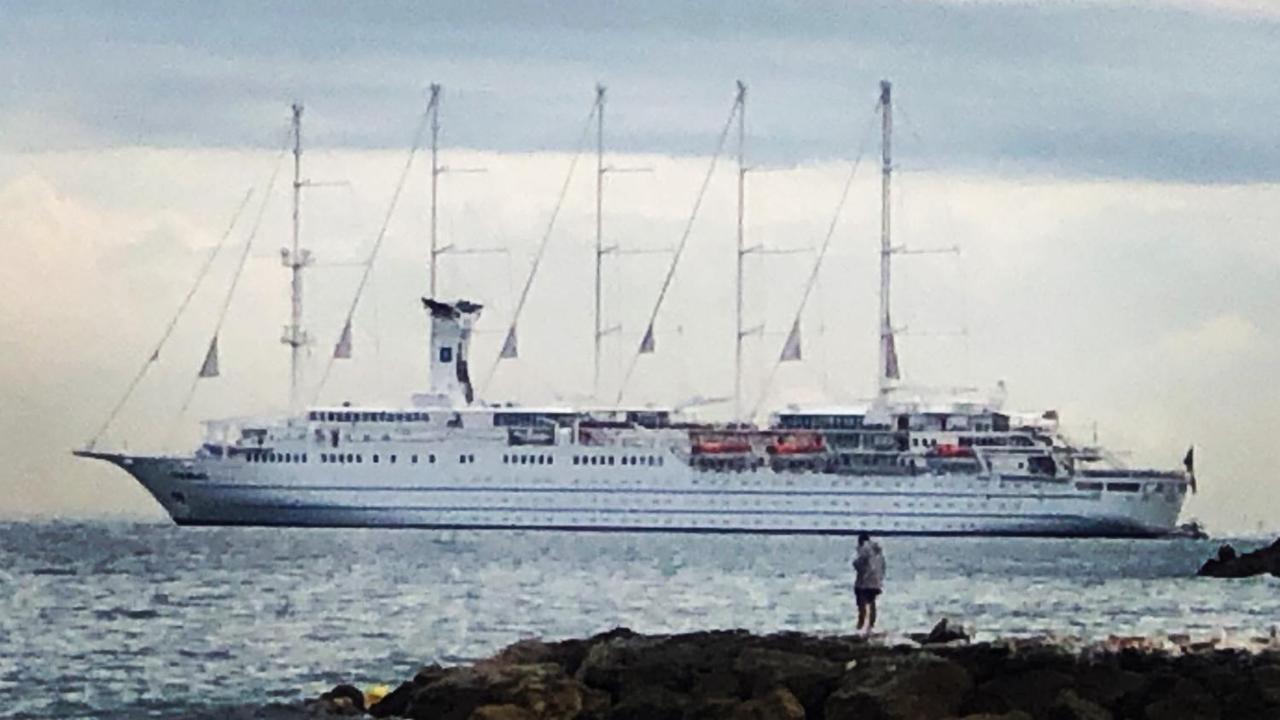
x: 54, y: 571
x: 125, y: 613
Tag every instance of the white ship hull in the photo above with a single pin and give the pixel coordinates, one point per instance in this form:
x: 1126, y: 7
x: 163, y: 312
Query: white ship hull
x: 487, y: 493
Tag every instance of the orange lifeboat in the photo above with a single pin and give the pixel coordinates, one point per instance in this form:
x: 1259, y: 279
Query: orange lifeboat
x: 953, y: 451
x: 797, y: 444
x: 720, y: 445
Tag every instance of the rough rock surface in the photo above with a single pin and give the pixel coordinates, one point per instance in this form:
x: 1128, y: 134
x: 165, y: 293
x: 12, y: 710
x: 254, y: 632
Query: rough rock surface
x: 1230, y: 564
x: 734, y: 675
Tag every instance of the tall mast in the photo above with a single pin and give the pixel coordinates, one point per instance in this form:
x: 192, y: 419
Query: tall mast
x: 433, y: 107
x: 600, y: 249
x: 888, y: 371
x: 296, y: 259
x: 742, y: 249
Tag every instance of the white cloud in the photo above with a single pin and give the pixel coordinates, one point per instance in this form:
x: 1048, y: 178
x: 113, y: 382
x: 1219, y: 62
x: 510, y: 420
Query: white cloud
x: 1148, y: 308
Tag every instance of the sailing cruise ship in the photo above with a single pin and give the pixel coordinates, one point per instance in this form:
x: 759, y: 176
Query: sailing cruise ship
x: 899, y: 465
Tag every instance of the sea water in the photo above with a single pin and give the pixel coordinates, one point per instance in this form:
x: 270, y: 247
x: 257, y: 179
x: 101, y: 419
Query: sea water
x: 113, y: 620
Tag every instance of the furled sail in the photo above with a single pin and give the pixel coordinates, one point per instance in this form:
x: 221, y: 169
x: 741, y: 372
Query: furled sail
x: 646, y: 343
x: 891, y: 358
x: 342, y: 351
x: 791, y: 349
x: 510, y: 350
x: 210, y: 366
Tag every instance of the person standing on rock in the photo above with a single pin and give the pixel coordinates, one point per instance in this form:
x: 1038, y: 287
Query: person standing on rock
x: 868, y: 563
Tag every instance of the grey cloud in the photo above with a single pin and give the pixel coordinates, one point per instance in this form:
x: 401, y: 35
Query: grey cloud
x: 1079, y: 89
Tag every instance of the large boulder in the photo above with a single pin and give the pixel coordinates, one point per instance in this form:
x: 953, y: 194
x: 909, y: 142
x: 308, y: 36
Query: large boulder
x: 1186, y: 700
x: 623, y: 664
x: 779, y: 704
x: 651, y: 703
x: 1230, y: 564
x: 501, y: 712
x: 809, y: 679
x: 1034, y: 691
x: 543, y: 689
x: 903, y: 687
x: 942, y: 633
x: 1070, y: 706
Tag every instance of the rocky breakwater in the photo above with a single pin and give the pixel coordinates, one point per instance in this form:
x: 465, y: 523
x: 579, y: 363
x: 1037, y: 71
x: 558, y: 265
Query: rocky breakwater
x: 1231, y: 564
x: 734, y: 675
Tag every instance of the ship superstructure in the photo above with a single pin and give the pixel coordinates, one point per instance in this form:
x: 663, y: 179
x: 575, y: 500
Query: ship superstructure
x: 899, y: 464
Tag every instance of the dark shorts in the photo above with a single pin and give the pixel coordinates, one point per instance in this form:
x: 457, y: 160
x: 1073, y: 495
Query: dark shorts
x: 865, y: 596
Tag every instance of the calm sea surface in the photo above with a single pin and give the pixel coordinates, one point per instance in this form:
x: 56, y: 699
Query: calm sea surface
x: 141, y: 620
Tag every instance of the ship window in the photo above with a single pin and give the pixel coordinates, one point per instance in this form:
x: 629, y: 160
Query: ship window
x: 359, y: 457
x: 462, y: 458
x: 1123, y: 487
x: 1088, y: 486
x: 413, y: 459
x: 575, y: 459
x: 375, y: 457
x: 431, y: 458
x: 446, y: 354
x: 390, y: 458
x: 610, y: 459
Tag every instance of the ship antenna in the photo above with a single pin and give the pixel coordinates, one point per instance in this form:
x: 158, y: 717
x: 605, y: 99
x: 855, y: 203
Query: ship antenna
x: 742, y: 250
x: 296, y: 259
x: 888, y: 370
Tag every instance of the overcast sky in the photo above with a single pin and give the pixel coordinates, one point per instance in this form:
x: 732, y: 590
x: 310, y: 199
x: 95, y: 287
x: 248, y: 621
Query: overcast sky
x: 1111, y: 169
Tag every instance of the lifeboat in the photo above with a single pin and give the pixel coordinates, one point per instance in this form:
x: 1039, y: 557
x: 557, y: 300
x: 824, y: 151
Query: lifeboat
x: 947, y: 450
x: 797, y: 444
x: 720, y: 445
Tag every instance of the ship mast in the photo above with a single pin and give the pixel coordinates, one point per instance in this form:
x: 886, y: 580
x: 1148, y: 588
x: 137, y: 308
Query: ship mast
x: 600, y: 249
x: 433, y: 108
x: 296, y: 259
x: 888, y: 370
x: 742, y: 251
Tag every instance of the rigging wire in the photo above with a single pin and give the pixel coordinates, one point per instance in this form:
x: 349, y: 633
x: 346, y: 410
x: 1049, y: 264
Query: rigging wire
x: 377, y: 243
x: 684, y: 239
x: 822, y: 253
x: 173, y: 322
x: 235, y: 279
x: 546, y: 238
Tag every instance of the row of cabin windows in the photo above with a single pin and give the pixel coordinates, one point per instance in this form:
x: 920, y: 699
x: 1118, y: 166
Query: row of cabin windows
x: 528, y: 460
x: 1111, y: 487
x: 366, y: 416
x: 652, y: 460
x: 526, y: 419
x: 344, y: 458
x: 274, y: 457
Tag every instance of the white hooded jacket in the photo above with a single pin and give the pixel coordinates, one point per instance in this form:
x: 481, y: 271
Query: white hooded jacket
x: 869, y: 564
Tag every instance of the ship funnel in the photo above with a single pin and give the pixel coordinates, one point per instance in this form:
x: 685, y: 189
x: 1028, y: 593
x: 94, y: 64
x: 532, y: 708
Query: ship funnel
x: 450, y: 345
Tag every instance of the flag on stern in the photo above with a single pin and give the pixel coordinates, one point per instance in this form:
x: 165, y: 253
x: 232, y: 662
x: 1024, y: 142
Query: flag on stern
x: 1189, y: 462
